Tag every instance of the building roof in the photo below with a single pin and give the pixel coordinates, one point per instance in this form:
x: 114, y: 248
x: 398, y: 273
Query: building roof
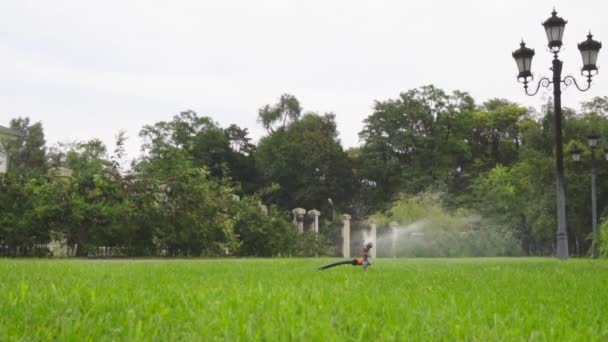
x: 8, y: 131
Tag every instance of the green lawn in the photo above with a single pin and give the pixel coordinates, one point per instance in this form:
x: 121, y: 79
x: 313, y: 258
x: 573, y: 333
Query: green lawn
x: 288, y: 299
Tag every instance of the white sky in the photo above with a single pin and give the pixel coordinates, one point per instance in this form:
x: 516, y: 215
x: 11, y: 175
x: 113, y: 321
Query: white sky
x: 91, y: 68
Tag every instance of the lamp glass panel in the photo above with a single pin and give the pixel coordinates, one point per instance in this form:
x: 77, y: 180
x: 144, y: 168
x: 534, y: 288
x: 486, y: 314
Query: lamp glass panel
x: 560, y: 32
x: 527, y: 63
x: 585, y: 55
x: 549, y: 34
x: 592, y: 142
x: 520, y: 63
x: 593, y: 57
x: 554, y: 33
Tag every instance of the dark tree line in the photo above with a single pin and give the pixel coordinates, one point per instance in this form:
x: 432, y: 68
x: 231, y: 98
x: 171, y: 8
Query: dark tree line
x: 494, y: 159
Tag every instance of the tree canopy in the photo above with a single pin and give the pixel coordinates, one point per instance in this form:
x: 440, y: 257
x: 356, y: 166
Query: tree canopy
x: 426, y: 150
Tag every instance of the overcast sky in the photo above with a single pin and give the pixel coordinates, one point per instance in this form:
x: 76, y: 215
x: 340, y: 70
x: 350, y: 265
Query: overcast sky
x: 88, y: 69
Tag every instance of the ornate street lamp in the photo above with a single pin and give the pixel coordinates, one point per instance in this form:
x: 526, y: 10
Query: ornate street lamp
x: 554, y: 28
x: 592, y: 140
x: 523, y: 58
x: 333, y: 216
x: 576, y: 154
x: 589, y: 50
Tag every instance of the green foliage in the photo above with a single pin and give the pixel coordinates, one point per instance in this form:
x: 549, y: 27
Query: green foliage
x: 309, y: 244
x: 495, y: 159
x: 497, y: 135
x: 597, y: 105
x: 166, y: 206
x: 27, y: 153
x: 307, y: 161
x: 603, y: 230
x: 262, y: 234
x: 429, y: 139
x: 15, y: 208
x: 223, y: 152
x: 286, y: 110
x: 520, y: 199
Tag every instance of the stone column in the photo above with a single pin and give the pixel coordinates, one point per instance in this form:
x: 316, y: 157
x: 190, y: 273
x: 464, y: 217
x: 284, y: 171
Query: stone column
x: 315, y: 224
x: 263, y: 208
x: 346, y: 236
x: 373, y: 238
x: 393, y: 225
x: 298, y: 218
x: 62, y: 174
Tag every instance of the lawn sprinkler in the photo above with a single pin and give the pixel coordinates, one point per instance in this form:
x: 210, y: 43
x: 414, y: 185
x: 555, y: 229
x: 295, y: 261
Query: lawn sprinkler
x: 363, y: 261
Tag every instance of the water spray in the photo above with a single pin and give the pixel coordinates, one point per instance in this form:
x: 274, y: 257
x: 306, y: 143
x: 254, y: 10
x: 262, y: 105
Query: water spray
x: 363, y: 261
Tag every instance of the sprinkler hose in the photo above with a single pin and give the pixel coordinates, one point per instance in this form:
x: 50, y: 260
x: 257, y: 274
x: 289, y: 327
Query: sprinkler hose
x: 353, y: 262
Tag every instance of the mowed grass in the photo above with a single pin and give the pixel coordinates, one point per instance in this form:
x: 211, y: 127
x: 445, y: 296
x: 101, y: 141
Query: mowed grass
x: 288, y: 299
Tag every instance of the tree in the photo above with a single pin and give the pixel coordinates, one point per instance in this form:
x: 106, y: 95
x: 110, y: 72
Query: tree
x: 223, y: 152
x: 597, y: 105
x: 415, y: 141
x: 286, y: 110
x: 16, y: 228
x: 90, y: 208
x: 27, y: 153
x: 262, y: 234
x: 495, y: 137
x: 307, y: 161
x: 241, y: 159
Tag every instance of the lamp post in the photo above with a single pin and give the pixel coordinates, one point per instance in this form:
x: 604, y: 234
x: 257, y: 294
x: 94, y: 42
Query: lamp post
x: 333, y: 216
x: 576, y: 154
x: 554, y: 28
x: 592, y: 141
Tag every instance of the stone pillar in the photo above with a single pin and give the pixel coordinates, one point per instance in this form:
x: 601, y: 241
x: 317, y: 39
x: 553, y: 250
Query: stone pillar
x: 298, y: 218
x: 60, y: 173
x: 373, y: 238
x: 263, y: 208
x: 3, y: 158
x: 346, y: 236
x: 393, y: 225
x: 315, y: 224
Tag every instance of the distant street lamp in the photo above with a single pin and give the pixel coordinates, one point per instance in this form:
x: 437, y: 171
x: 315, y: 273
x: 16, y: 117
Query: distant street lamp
x: 592, y: 141
x: 554, y: 27
x: 576, y: 154
x: 333, y: 216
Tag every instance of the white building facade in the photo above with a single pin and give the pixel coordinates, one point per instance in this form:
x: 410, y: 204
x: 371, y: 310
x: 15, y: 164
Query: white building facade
x: 6, y: 134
